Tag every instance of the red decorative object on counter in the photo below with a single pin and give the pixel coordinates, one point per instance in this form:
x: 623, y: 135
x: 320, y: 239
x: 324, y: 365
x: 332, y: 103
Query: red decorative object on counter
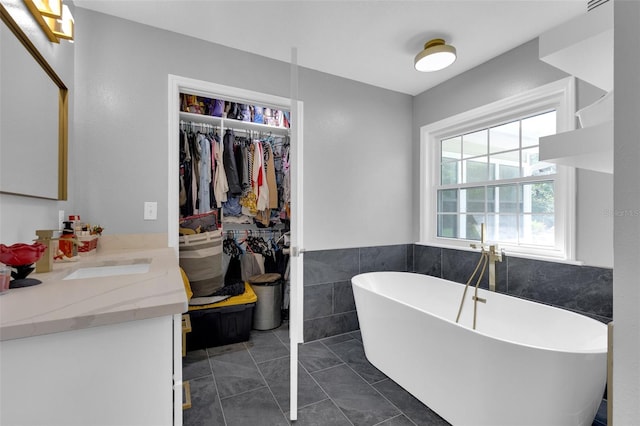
x: 21, y: 254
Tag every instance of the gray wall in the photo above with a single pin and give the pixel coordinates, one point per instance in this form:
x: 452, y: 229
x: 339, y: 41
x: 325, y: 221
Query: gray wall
x: 626, y: 354
x: 509, y: 74
x: 357, y: 137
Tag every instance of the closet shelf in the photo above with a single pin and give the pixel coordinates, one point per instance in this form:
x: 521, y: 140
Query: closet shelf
x: 589, y: 148
x: 229, y: 123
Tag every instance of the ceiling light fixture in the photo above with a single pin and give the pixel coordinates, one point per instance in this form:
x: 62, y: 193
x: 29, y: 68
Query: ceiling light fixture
x: 54, y: 18
x: 436, y: 56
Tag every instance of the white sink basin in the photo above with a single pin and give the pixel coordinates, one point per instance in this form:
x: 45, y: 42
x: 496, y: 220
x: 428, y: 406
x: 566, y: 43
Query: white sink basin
x: 108, y: 271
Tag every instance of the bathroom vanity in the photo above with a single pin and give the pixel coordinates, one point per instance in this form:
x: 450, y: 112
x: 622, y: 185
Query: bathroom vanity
x: 98, y: 342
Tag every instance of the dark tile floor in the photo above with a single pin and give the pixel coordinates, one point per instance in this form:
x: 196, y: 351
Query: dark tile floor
x: 247, y: 384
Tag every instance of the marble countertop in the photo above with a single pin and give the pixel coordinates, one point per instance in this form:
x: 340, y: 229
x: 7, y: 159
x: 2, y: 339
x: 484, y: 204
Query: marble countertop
x: 59, y: 305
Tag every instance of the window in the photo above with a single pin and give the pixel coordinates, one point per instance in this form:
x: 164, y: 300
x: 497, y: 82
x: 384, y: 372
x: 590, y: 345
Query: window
x: 483, y: 167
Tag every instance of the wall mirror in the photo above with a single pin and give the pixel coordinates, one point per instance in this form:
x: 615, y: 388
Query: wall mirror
x: 33, y: 119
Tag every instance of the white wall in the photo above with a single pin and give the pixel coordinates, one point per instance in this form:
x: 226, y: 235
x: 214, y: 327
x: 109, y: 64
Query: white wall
x: 357, y: 137
x: 514, y: 72
x: 20, y: 216
x: 626, y: 282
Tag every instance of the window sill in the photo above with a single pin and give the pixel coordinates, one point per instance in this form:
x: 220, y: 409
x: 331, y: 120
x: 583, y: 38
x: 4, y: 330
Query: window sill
x: 506, y: 252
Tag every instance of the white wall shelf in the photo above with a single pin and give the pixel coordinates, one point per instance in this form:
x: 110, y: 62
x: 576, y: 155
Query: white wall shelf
x: 588, y: 148
x: 583, y: 46
x: 229, y: 123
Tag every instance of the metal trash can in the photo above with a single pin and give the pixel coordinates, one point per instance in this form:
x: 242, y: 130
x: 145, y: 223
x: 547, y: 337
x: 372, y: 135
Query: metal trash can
x: 267, y: 313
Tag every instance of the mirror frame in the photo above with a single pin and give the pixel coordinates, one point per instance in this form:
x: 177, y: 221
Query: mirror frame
x: 63, y: 108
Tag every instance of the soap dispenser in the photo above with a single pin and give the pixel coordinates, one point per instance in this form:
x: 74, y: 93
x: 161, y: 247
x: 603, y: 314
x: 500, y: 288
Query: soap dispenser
x: 67, y: 240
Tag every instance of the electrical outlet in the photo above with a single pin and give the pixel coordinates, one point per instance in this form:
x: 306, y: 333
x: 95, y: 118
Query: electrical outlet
x: 150, y: 210
x: 61, y: 218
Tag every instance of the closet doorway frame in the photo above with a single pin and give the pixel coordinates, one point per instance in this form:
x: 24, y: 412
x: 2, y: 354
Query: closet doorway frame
x: 296, y: 259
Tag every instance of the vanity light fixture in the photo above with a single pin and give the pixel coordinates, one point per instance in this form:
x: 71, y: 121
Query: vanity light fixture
x: 54, y: 18
x: 436, y: 56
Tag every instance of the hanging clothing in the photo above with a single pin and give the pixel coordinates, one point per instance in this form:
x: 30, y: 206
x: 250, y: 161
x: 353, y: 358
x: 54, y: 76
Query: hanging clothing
x: 286, y: 184
x: 271, y: 177
x: 205, y: 173
x: 230, y: 166
x: 246, y: 175
x: 259, y: 183
x: 186, y: 207
x: 221, y: 186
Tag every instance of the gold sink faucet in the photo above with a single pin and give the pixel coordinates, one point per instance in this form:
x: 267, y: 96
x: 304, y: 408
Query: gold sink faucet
x: 45, y: 236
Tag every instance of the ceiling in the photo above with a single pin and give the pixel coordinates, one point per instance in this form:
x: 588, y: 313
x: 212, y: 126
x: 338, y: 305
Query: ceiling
x: 371, y: 41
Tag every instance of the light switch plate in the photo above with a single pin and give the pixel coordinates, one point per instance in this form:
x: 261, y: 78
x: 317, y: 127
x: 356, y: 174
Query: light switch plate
x: 150, y: 210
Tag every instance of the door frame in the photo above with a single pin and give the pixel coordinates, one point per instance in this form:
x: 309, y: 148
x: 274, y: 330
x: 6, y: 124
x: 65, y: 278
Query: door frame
x: 175, y: 85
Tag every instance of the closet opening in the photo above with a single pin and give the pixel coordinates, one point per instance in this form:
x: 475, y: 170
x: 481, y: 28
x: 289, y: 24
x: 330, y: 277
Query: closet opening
x: 234, y: 179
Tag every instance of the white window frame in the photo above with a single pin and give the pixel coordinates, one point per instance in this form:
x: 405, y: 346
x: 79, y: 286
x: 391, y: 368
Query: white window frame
x: 559, y: 95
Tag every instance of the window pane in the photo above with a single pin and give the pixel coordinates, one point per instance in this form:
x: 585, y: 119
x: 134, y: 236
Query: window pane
x: 449, y: 173
x: 537, y: 197
x: 448, y: 225
x: 502, y: 199
x: 474, y: 144
x: 537, y: 126
x: 516, y: 213
x: 537, y: 229
x: 532, y: 166
x: 451, y: 149
x: 503, y: 228
x: 471, y: 225
x: 505, y: 137
x: 475, y: 170
x: 506, y: 164
x: 448, y: 201
x: 472, y: 200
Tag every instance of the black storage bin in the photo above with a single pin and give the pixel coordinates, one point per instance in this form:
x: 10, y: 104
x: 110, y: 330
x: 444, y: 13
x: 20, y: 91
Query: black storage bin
x: 220, y: 326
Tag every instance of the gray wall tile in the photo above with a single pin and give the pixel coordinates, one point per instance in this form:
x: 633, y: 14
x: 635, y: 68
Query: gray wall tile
x: 384, y: 258
x: 318, y: 300
x: 411, y: 257
x: 328, y: 266
x: 580, y: 288
x: 458, y: 265
x: 343, y: 300
x: 428, y: 260
x: 319, y: 328
x: 587, y: 290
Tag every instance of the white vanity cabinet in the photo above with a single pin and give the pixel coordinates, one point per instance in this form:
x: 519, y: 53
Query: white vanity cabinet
x: 102, y: 351
x: 120, y: 374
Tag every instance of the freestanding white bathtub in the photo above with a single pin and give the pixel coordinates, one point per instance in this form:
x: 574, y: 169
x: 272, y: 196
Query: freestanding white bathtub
x: 525, y: 364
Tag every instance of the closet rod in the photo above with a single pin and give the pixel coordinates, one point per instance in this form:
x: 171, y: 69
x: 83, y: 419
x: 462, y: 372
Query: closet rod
x: 253, y: 231
x: 192, y: 124
x: 235, y: 125
x: 274, y: 234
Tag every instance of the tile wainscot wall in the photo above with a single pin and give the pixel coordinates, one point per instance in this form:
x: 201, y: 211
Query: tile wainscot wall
x: 329, y: 308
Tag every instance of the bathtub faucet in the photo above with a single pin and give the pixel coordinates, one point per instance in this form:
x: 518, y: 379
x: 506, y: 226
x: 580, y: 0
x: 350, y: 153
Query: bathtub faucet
x: 495, y: 255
